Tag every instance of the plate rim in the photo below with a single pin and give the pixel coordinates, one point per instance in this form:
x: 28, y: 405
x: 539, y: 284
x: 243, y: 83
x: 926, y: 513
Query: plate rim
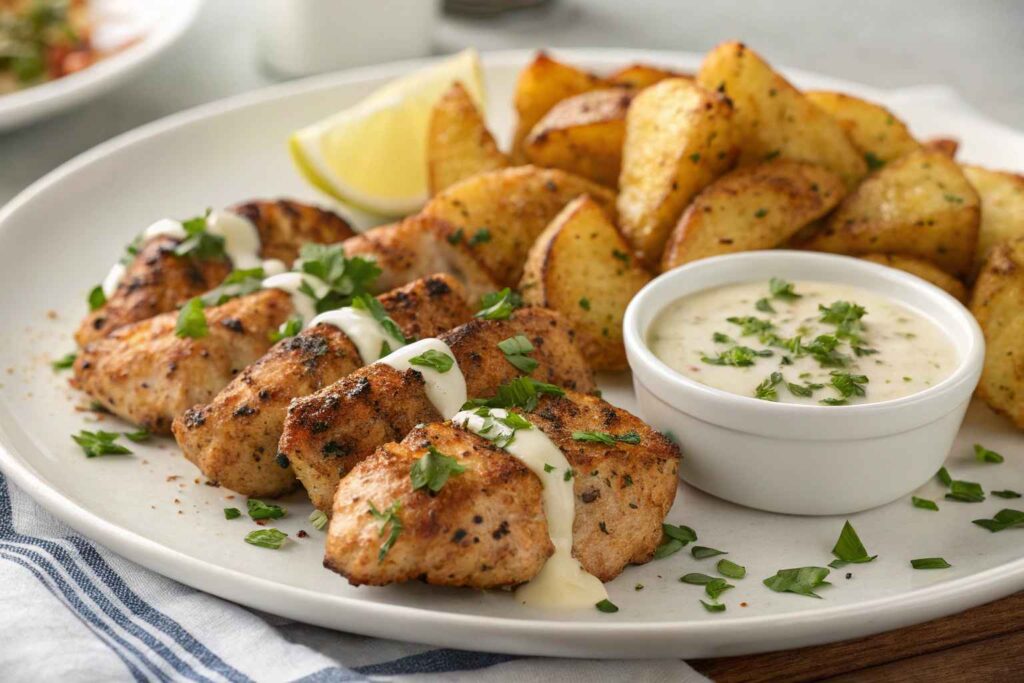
x: 503, y: 634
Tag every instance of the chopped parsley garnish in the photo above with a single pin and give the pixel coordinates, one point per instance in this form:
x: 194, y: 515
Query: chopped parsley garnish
x: 199, y: 242
x: 674, y: 538
x: 849, y: 549
x: 751, y: 325
x: 521, y: 392
x: 1004, y: 519
x: 433, y: 470
x: 585, y: 303
x: 701, y: 552
x: 620, y: 255
x: 499, y: 305
x: 800, y: 580
x: 731, y: 569
x: 846, y: 316
x: 716, y: 587
x: 318, y: 519
x: 455, y: 237
x: 345, y: 278
x: 99, y: 443
x: 266, y: 538
x: 388, y: 519
x: 549, y: 468
x: 138, y: 436
x: 232, y: 513
x: 847, y: 385
x: 192, y: 320
x: 365, y: 302
x: 437, y: 360
x: 606, y: 606
x: 982, y: 454
x: 606, y: 438
x: 720, y: 338
x: 764, y: 306
x: 823, y: 349
x: 930, y: 563
x: 873, y: 161
x: 697, y: 579
x: 943, y: 475
x: 1006, y: 493
x: 782, y: 289
x: 803, y: 390
x: 965, y: 492
x: 924, y: 503
x: 481, y: 236
x: 569, y: 474
x: 713, y: 607
x: 766, y: 390
x: 737, y: 356
x: 516, y: 349
x: 260, y: 510
x: 64, y: 362
x: 96, y: 298
x: 760, y: 213
x: 288, y: 328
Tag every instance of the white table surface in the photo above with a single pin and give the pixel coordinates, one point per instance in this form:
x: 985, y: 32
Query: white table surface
x: 975, y: 47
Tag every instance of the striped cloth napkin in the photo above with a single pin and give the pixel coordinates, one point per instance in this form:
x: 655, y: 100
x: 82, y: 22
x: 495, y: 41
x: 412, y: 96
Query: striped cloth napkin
x: 75, y: 611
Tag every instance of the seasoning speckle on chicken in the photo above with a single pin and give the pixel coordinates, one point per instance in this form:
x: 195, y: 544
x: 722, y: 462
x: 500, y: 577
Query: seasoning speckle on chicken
x: 486, y: 527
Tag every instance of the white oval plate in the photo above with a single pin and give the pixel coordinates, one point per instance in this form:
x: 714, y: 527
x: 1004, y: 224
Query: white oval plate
x: 148, y: 27
x: 59, y: 237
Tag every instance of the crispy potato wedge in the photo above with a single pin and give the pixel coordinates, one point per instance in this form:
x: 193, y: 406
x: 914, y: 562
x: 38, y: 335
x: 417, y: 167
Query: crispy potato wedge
x: 583, y: 135
x: 948, y: 146
x: 774, y: 118
x: 679, y: 138
x: 754, y: 207
x: 1002, y: 207
x: 458, y: 142
x: 998, y: 303
x: 581, y: 266
x: 542, y: 84
x: 875, y: 131
x: 640, y: 76
x: 924, y: 270
x: 919, y: 205
x: 498, y: 215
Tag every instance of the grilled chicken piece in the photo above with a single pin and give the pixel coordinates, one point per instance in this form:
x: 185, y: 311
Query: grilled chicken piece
x: 233, y: 439
x: 327, y: 433
x: 486, y: 527
x: 148, y: 375
x: 158, y: 281
x: 417, y: 247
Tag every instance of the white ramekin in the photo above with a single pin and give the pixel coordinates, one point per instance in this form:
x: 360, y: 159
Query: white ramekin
x: 800, y: 459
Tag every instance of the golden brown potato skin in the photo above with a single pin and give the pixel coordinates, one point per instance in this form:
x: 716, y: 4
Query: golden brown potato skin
x: 541, y: 85
x: 327, y: 433
x: 875, y: 131
x: 498, y: 215
x: 486, y: 527
x: 639, y: 76
x: 418, y: 247
x: 920, y: 205
x: 998, y: 303
x: 679, y: 138
x: 146, y: 374
x: 458, y: 142
x: 1002, y: 208
x: 158, y: 281
x: 583, y: 135
x: 582, y: 267
x: 233, y: 439
x: 751, y: 208
x: 924, y: 270
x: 774, y: 119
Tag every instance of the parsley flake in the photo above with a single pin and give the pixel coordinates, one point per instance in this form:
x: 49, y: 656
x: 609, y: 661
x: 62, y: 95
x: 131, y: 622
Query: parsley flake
x: 318, y: 519
x: 799, y: 580
x: 433, y: 470
x: 386, y: 519
x: 606, y: 606
x: 766, y: 390
x: 924, y: 503
x: 731, y: 569
x: 232, y: 513
x: 930, y: 563
x: 192, y: 320
x: 266, y: 538
x: 849, y: 549
x: 96, y: 298
x: 516, y: 349
x: 982, y: 454
x: 1004, y: 519
x: 99, y: 443
x: 260, y: 510
x: 499, y: 305
x: 64, y: 362
x: 437, y: 360
x: 606, y: 438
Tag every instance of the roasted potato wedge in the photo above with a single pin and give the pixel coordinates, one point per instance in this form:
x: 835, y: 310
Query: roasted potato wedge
x: 998, y: 303
x: 1002, y: 207
x: 773, y: 118
x: 679, y: 138
x: 948, y: 146
x: 581, y: 266
x: 583, y: 135
x: 458, y: 142
x: 919, y: 205
x: 498, y: 215
x: 924, y: 270
x: 640, y: 76
x: 542, y: 84
x: 754, y: 207
x: 875, y: 131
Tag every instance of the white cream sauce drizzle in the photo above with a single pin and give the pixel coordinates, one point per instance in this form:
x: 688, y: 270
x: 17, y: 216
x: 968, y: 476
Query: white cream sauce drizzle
x: 445, y: 390
x: 562, y: 582
x: 289, y: 283
x: 362, y: 329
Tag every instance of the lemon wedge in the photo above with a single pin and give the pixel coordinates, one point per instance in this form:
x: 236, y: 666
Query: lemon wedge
x: 373, y: 155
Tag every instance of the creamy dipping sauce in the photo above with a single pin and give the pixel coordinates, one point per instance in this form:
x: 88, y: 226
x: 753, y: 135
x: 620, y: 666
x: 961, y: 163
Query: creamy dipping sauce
x: 364, y: 331
x: 562, y: 582
x: 815, y: 343
x: 445, y: 390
